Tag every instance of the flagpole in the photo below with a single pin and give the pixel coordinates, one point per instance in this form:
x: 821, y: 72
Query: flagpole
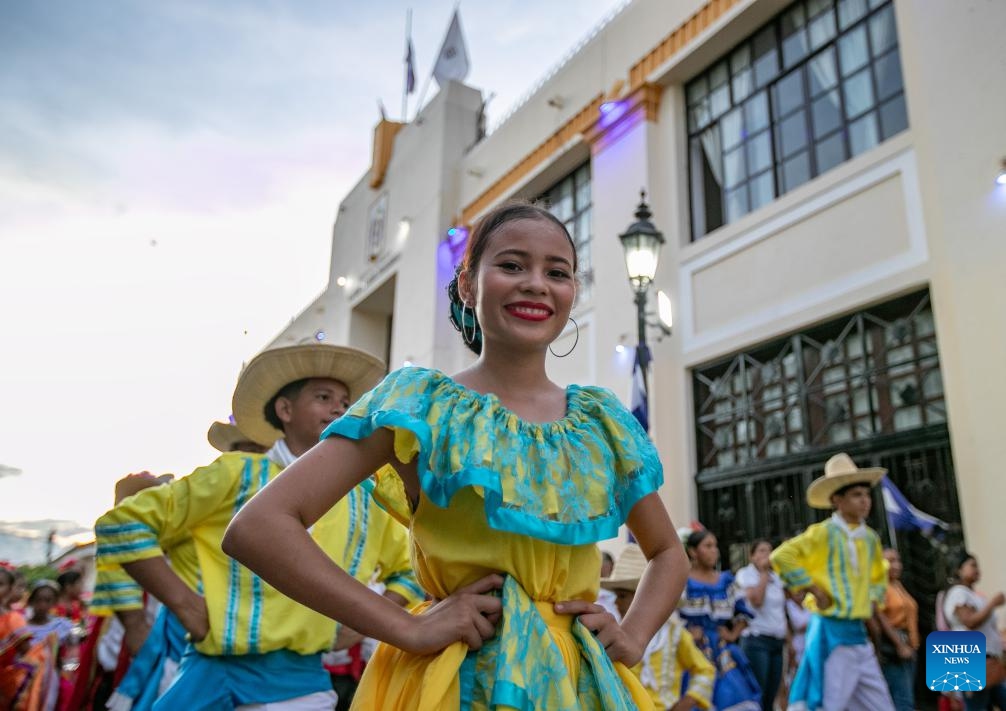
x: 405, y: 83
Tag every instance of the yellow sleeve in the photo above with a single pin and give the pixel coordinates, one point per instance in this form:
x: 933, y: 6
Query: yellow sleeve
x: 792, y: 559
x: 701, y: 672
x: 137, y: 528
x: 878, y: 572
x: 114, y: 591
x: 393, y: 558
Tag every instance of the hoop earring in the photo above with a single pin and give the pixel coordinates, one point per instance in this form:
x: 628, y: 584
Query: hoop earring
x: 575, y: 341
x: 464, y: 334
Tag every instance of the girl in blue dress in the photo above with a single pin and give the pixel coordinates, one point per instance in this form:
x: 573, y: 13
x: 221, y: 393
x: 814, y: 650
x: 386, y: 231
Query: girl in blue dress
x: 716, y: 615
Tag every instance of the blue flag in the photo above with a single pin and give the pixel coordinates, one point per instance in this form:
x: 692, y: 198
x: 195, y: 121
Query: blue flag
x: 901, y: 515
x: 640, y: 405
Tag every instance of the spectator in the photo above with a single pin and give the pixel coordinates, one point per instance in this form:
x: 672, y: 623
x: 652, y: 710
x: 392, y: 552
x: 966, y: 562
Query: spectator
x: 899, y: 620
x: 763, y: 640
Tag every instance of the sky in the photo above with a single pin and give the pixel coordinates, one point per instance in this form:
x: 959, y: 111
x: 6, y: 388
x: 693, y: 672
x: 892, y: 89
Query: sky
x: 169, y: 175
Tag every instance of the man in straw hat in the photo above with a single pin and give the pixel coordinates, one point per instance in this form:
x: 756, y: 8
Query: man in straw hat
x: 840, y: 564
x: 671, y: 653
x: 252, y: 645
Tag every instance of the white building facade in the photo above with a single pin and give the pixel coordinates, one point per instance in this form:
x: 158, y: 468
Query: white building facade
x: 823, y: 171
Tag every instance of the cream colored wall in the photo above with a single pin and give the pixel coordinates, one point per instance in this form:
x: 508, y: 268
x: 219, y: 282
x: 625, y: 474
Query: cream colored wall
x: 953, y: 66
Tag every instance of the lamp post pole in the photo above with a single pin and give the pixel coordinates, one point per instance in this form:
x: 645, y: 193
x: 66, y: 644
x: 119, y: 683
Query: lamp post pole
x: 641, y: 242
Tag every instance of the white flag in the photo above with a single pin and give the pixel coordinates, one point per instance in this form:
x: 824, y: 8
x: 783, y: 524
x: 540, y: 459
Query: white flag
x: 452, y: 63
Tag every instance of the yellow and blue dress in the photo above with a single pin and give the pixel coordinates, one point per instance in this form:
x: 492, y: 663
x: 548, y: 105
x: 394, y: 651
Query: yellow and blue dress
x: 528, y: 500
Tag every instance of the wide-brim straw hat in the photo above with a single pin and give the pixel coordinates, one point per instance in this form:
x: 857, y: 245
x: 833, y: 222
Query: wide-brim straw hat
x: 271, y: 370
x: 840, y: 471
x: 628, y: 569
x: 222, y: 436
x: 135, y: 483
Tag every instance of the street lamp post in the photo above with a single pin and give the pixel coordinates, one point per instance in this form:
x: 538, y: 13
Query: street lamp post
x: 642, y: 242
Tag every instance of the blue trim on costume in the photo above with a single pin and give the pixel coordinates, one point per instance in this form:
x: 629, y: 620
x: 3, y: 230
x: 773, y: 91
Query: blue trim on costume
x: 109, y: 587
x: 117, y: 602
x: 105, y: 549
x: 254, y: 626
x: 406, y: 581
x: 440, y: 490
x: 119, y: 529
x: 234, y: 578
x: 511, y: 695
x: 844, y: 571
x: 466, y: 680
x: 361, y: 539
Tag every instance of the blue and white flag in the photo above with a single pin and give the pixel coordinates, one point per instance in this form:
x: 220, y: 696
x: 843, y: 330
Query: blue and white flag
x: 410, y: 69
x: 901, y: 515
x: 639, y: 403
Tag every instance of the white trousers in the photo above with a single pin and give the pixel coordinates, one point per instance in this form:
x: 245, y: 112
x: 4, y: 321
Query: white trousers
x: 320, y: 701
x: 853, y: 681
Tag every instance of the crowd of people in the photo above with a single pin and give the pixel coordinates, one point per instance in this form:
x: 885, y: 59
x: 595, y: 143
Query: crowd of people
x: 425, y: 541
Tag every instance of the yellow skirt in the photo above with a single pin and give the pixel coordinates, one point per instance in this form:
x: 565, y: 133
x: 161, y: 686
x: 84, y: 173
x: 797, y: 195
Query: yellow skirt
x: 537, y: 660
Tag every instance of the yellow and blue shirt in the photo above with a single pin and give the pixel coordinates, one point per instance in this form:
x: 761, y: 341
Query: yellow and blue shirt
x: 247, y: 616
x: 850, y: 568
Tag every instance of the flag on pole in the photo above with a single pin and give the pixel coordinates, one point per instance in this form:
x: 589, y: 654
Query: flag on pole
x: 452, y: 62
x: 901, y: 515
x: 639, y: 403
x: 410, y: 69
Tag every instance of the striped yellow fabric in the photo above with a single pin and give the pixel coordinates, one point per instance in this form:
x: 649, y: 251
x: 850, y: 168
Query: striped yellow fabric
x: 821, y: 556
x: 248, y: 616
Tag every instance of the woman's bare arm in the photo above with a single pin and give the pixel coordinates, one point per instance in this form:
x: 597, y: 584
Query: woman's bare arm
x: 269, y: 535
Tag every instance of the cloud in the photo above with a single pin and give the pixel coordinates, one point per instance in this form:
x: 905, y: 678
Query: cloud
x: 6, y: 470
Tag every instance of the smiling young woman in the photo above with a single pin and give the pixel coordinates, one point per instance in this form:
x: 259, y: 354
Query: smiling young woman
x: 507, y: 482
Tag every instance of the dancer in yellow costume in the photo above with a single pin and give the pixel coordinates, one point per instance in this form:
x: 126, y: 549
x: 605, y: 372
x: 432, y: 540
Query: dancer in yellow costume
x: 507, y: 481
x: 251, y: 644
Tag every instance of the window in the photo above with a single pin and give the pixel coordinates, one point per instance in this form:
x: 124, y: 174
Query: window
x: 875, y: 373
x: 818, y: 85
x: 569, y: 200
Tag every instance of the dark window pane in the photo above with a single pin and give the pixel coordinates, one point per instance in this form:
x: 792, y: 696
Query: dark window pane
x: 882, y: 33
x: 826, y: 114
x: 737, y: 203
x: 756, y: 113
x: 874, y: 4
x: 852, y: 51
x: 830, y: 152
x: 731, y: 128
x: 707, y: 204
x: 792, y: 133
x: 822, y: 72
x: 788, y: 93
x: 696, y: 90
x: 699, y: 116
x: 583, y: 188
x: 719, y: 100
x: 743, y: 84
x: 794, y: 36
x: 858, y: 93
x: 759, y: 151
x: 766, y: 62
x: 821, y: 30
x: 887, y: 70
x: 718, y: 75
x: 762, y: 190
x: 849, y: 11
x: 863, y: 134
x: 740, y: 59
x: 893, y: 116
x: 815, y: 7
x: 796, y: 171
x: 733, y: 168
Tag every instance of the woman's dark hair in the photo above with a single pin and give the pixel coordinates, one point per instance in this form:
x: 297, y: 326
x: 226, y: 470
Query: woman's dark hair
x: 757, y: 542
x: 68, y: 578
x: 464, y: 319
x: 696, y: 537
x: 958, y: 561
x: 8, y: 575
x: 40, y: 585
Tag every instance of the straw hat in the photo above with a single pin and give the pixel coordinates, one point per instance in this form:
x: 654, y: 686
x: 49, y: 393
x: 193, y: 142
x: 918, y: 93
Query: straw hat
x: 838, y: 472
x: 135, y: 483
x: 222, y: 436
x: 628, y: 569
x: 270, y: 371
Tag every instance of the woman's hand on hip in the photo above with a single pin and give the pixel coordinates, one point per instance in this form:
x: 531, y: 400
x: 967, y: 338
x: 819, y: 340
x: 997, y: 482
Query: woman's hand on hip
x: 605, y: 628
x: 468, y: 615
